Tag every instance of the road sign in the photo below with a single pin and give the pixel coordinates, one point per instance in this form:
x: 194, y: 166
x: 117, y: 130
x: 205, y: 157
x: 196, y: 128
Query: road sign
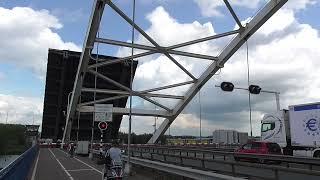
x: 102, y: 125
x: 103, y: 112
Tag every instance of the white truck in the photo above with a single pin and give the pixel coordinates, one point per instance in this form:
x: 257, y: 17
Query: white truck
x: 296, y: 130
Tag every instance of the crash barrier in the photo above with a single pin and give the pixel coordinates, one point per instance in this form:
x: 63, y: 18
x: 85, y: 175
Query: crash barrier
x: 288, y: 161
x: 19, y: 168
x: 202, y: 147
x: 178, y: 170
x: 223, y: 162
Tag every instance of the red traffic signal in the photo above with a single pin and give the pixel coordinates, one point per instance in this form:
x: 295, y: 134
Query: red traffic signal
x: 102, y: 126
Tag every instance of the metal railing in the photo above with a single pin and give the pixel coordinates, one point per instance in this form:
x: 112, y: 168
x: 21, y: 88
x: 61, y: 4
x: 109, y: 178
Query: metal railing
x: 225, y: 153
x: 208, y: 160
x: 181, y: 171
x: 19, y: 168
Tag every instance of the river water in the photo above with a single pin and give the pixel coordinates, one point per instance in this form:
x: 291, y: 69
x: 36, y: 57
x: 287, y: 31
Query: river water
x: 6, y: 160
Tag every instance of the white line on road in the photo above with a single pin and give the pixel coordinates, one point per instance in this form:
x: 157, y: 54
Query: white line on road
x: 80, y: 170
x: 83, y: 163
x: 61, y: 165
x: 88, y: 165
x: 35, y: 166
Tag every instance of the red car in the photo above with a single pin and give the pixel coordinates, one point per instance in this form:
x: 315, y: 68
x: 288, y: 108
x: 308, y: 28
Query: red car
x: 258, y: 147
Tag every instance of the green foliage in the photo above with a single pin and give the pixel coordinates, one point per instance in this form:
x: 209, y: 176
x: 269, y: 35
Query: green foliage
x: 12, y: 139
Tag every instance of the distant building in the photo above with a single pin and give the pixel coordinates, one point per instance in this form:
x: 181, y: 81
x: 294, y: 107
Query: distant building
x: 229, y: 137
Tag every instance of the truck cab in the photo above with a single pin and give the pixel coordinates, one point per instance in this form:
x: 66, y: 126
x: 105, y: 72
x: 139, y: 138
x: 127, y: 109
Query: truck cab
x: 273, y: 128
x: 296, y: 130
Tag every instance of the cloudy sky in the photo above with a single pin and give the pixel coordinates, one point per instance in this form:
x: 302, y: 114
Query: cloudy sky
x: 284, y: 56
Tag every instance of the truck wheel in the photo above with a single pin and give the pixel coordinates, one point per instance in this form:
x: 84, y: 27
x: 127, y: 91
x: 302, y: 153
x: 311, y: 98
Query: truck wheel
x: 316, y: 154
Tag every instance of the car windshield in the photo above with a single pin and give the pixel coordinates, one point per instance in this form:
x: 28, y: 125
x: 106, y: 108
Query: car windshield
x: 267, y: 126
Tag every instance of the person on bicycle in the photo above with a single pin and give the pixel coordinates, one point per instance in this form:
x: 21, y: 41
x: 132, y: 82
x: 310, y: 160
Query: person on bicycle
x: 71, y: 149
x: 113, y: 155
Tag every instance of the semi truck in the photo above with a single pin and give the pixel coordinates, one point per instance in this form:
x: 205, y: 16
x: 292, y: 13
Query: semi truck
x: 296, y: 130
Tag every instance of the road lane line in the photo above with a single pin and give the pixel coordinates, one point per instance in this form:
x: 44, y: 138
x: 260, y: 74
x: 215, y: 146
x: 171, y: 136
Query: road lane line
x: 35, y: 166
x: 80, y: 170
x: 83, y: 163
x: 89, y: 165
x: 61, y: 165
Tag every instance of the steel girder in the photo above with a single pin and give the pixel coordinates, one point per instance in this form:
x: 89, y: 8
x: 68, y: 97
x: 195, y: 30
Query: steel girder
x: 243, y: 33
x: 264, y: 14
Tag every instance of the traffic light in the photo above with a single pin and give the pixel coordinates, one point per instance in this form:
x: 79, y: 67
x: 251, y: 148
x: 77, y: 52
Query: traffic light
x: 227, y: 86
x: 254, y: 89
x: 102, y: 125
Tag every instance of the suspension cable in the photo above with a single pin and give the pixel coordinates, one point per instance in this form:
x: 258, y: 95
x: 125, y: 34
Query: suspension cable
x: 249, y: 94
x: 131, y: 81
x: 200, y: 114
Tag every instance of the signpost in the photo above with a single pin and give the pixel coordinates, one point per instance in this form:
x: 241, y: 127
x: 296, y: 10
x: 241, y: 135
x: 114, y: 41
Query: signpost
x: 102, y: 126
x: 103, y: 112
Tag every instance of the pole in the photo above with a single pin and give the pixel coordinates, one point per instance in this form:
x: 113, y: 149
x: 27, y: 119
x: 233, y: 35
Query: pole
x: 200, y: 114
x: 78, y: 126
x: 7, y: 118
x: 101, y: 140
x: 278, y: 101
x: 131, y: 80
x: 249, y: 94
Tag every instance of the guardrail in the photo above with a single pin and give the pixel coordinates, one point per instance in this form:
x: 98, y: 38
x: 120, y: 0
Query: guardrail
x: 287, y: 160
x: 199, y: 147
x: 20, y: 167
x: 250, y: 170
x: 181, y: 171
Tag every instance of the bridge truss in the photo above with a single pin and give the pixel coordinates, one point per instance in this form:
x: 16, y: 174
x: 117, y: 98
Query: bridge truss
x: 241, y: 35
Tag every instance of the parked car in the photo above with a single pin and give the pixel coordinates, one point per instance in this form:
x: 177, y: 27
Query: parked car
x: 257, y: 147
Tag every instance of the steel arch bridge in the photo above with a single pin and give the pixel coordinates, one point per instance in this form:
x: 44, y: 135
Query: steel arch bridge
x: 241, y: 35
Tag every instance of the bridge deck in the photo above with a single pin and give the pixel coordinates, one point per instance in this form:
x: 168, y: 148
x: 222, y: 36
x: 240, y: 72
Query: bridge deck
x: 54, y: 164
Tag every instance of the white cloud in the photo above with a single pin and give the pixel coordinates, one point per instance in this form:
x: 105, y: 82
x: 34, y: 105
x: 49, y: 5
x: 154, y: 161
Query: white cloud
x: 26, y: 35
x: 21, y: 110
x: 300, y: 4
x: 211, y: 8
x: 284, y: 57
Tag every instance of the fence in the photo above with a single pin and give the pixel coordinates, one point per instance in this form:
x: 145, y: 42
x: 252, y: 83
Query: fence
x: 19, y: 168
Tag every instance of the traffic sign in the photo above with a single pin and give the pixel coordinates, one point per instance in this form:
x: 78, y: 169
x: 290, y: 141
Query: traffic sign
x: 103, y: 112
x: 102, y: 126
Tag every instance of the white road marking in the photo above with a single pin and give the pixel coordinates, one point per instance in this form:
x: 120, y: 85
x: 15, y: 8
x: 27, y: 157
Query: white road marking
x: 80, y: 170
x: 84, y: 163
x: 35, y: 166
x: 61, y: 165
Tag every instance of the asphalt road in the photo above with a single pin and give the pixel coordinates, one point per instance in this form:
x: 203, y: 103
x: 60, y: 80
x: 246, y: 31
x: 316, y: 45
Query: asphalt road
x: 54, y: 164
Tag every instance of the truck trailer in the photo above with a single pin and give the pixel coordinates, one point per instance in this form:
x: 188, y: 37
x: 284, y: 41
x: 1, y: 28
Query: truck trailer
x: 296, y: 130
